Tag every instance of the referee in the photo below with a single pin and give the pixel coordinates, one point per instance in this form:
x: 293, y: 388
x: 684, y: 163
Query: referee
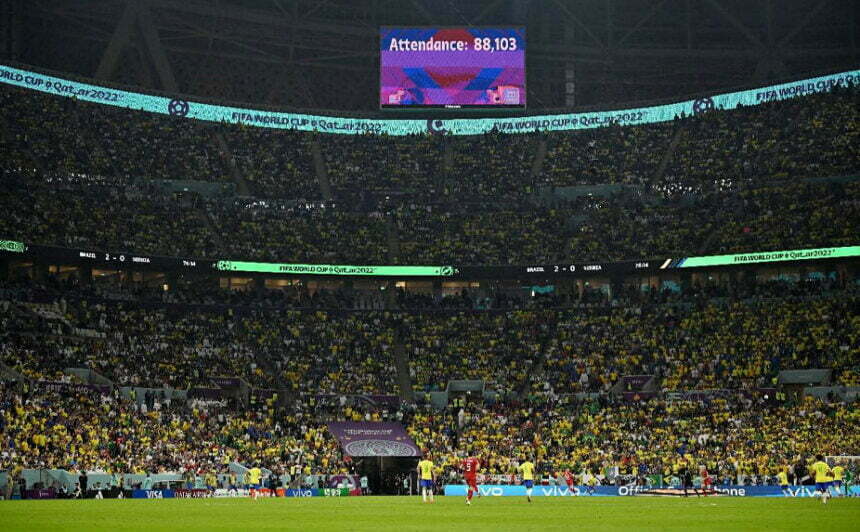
x: 686, y: 475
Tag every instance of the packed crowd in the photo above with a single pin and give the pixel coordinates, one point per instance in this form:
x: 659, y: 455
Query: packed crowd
x: 75, y: 174
x: 739, y: 439
x: 812, y: 136
x: 78, y: 174
x: 146, y: 219
x: 708, y: 336
x: 79, y: 429
x: 499, y: 348
x: 301, y: 233
x: 779, y: 141
x: 738, y: 340
x: 725, y: 344
x: 103, y: 217
x: 627, y: 155
x: 66, y: 136
x: 274, y: 163
x: 183, y: 346
x: 375, y: 163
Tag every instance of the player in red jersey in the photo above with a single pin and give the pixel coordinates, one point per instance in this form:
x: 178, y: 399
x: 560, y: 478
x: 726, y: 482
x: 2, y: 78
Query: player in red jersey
x: 568, y: 479
x: 470, y: 475
x: 707, y: 481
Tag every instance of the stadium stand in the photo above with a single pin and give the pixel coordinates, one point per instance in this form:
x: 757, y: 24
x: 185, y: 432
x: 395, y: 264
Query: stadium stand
x: 65, y: 136
x: 149, y: 220
x: 740, y: 440
x: 61, y: 180
x: 782, y: 175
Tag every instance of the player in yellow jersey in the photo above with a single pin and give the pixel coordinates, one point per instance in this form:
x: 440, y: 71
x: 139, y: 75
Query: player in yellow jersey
x: 591, y: 483
x: 425, y: 477
x: 253, y: 475
x: 838, y: 475
x: 823, y: 477
x: 782, y: 478
x: 527, y: 469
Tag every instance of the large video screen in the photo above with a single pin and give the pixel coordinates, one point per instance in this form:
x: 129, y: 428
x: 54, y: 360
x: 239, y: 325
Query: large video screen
x: 452, y: 67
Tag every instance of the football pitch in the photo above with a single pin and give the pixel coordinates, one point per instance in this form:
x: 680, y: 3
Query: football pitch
x: 447, y: 513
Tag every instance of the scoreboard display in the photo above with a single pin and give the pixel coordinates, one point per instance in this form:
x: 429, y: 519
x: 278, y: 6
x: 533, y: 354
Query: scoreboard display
x: 452, y: 68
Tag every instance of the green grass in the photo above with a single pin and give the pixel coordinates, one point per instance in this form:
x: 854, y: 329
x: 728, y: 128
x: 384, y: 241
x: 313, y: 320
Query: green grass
x: 448, y: 513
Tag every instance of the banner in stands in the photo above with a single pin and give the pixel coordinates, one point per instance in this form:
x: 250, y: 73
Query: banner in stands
x: 178, y: 107
x: 373, y: 439
x: 769, y: 256
x: 494, y: 490
x: 729, y: 394
x: 226, y: 382
x: 73, y: 387
x: 639, y: 396
x: 214, y: 394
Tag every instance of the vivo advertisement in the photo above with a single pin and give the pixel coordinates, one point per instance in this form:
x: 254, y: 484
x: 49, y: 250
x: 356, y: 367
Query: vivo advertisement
x: 452, y: 67
x: 492, y: 490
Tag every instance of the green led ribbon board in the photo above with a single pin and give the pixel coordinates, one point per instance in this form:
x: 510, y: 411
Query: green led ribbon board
x: 181, y: 108
x: 335, y: 269
x: 769, y: 256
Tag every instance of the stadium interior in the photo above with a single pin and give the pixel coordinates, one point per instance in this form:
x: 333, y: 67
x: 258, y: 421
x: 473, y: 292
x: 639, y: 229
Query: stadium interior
x: 184, y: 300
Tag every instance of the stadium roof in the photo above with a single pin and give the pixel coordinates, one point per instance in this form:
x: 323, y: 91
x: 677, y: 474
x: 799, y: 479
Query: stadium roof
x: 322, y: 54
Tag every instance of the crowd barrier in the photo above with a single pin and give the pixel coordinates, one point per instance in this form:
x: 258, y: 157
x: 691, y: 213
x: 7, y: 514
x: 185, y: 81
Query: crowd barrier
x: 496, y: 490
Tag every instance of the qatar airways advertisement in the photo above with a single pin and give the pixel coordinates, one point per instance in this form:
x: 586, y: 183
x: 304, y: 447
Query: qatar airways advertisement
x: 452, y: 67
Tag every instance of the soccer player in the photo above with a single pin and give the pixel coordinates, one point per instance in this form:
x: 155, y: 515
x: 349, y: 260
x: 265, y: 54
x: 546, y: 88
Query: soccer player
x: 470, y: 475
x: 822, y: 477
x: 527, y: 469
x: 782, y: 478
x: 425, y: 474
x: 707, y: 481
x: 838, y: 474
x: 591, y: 484
x: 686, y: 475
x: 568, y: 479
x: 211, y: 481
x: 254, y: 475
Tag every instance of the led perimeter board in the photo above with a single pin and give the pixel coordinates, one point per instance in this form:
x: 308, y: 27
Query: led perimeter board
x: 452, y: 68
